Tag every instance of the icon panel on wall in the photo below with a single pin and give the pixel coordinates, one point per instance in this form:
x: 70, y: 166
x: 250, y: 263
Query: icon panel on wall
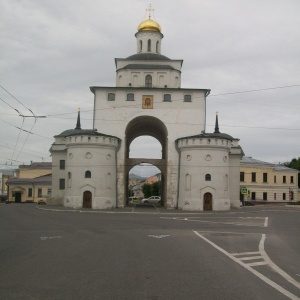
x: 147, y: 102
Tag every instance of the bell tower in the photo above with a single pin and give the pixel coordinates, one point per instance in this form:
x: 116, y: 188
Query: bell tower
x: 148, y: 68
x: 149, y: 35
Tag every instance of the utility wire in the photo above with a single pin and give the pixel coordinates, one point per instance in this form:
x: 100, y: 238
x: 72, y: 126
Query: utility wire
x: 26, y: 130
x: 137, y: 105
x: 29, y: 132
x: 9, y: 105
x: 20, y: 129
x: 40, y: 153
x: 258, y: 90
x: 15, y: 98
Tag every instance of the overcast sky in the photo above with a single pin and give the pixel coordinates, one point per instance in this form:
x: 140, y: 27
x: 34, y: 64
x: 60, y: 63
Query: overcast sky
x: 52, y: 51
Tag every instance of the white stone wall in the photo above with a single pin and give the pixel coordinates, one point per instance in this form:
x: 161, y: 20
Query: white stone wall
x: 201, y: 156
x: 144, y: 36
x: 235, y: 159
x: 181, y: 118
x: 160, y: 78
x: 87, y: 153
x: 58, y: 153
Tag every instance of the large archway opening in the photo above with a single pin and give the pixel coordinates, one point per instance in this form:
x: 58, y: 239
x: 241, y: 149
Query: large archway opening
x: 145, y: 182
x: 146, y: 149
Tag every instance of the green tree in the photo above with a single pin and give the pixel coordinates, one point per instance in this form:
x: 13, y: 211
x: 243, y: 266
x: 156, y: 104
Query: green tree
x: 147, y: 190
x: 156, y: 188
x: 294, y: 164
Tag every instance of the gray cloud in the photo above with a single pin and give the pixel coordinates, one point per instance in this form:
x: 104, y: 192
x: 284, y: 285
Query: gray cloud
x: 52, y: 51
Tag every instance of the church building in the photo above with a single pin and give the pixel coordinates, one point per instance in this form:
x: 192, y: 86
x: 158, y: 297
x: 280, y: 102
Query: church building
x: 199, y: 170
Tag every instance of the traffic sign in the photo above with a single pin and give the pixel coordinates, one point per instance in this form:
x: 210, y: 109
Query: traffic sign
x: 244, y: 190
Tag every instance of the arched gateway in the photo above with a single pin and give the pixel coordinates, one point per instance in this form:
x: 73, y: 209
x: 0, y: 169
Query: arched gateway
x: 147, y: 100
x: 147, y: 125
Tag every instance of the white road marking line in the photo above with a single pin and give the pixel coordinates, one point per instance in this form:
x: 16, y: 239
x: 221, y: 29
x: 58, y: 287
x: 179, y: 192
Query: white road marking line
x: 266, y: 222
x: 253, y: 271
x: 250, y: 257
x: 43, y: 238
x: 217, y: 222
x: 273, y: 265
x: 156, y: 209
x: 258, y: 263
x: 229, y: 232
x: 245, y: 253
x: 159, y: 236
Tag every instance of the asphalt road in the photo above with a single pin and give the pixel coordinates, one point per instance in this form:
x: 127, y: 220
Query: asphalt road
x: 149, y: 253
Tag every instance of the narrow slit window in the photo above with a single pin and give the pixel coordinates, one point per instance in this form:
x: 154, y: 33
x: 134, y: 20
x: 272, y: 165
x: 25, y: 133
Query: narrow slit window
x: 149, y: 46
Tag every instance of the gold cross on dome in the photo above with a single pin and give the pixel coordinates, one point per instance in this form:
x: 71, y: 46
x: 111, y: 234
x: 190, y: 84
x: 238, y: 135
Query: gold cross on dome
x: 149, y: 11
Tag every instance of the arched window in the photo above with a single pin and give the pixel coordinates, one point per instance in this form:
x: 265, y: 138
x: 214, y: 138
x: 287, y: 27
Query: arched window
x: 149, y: 46
x: 141, y: 46
x: 157, y: 44
x: 108, y: 180
x: 226, y: 182
x: 148, y: 81
x: 187, y: 98
x: 162, y: 81
x: 111, y: 97
x: 69, y: 181
x: 187, y: 182
x: 120, y: 80
x: 207, y: 177
x: 88, y: 174
x: 135, y: 80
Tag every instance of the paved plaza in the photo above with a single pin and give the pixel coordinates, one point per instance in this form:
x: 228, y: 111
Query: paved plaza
x: 149, y: 252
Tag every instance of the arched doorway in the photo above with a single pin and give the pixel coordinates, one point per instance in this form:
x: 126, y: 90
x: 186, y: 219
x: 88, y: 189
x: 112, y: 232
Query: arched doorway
x: 87, y: 199
x: 207, y: 201
x: 153, y: 127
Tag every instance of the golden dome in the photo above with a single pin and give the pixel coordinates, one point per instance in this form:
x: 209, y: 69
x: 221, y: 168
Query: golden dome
x: 149, y: 25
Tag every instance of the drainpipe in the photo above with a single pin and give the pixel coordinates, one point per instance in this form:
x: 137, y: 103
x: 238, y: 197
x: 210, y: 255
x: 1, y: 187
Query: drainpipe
x: 179, y: 163
x: 116, y: 159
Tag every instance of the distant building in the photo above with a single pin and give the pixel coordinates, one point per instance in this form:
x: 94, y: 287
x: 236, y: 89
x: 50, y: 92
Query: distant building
x: 268, y: 182
x: 153, y: 179
x: 33, y: 183
x: 4, y: 176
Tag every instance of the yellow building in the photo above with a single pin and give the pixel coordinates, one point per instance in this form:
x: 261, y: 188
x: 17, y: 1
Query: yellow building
x: 31, y: 184
x: 263, y: 181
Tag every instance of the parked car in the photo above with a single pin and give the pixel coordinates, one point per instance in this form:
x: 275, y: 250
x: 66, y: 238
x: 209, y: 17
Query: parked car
x: 152, y: 199
x: 134, y: 200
